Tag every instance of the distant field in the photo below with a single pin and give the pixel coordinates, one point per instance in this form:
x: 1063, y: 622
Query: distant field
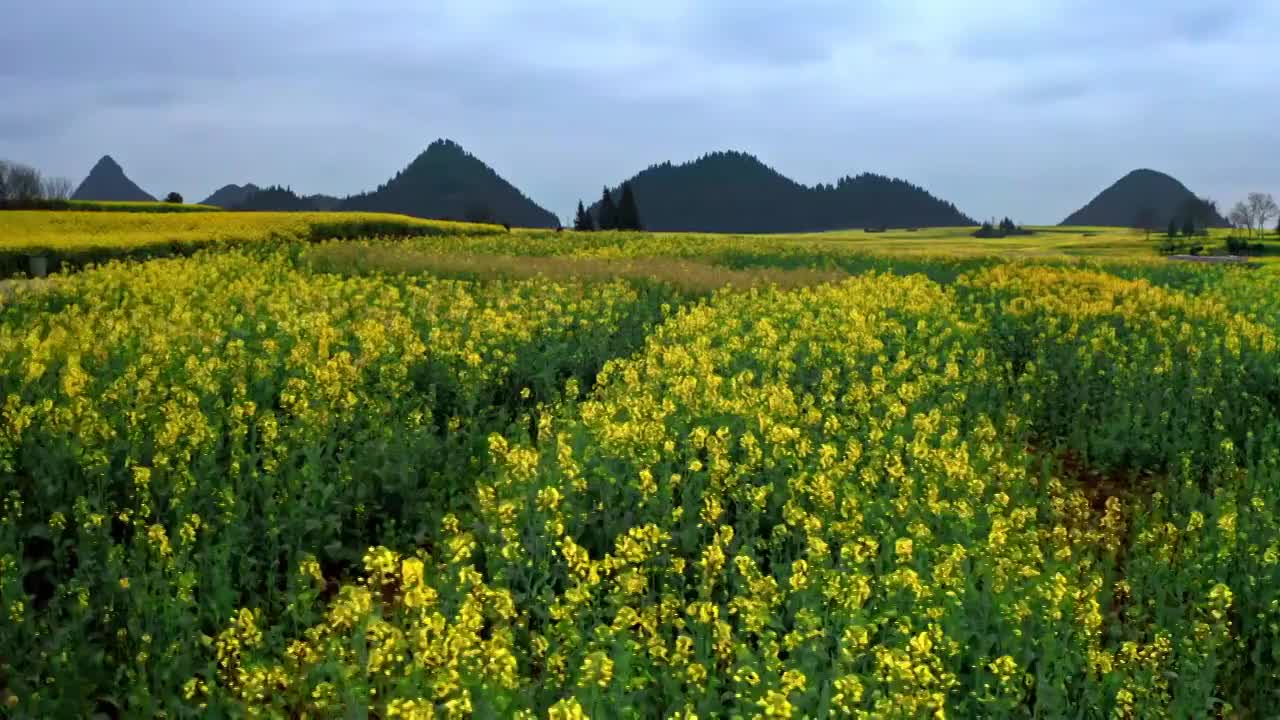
x: 78, y: 237
x: 1054, y: 240
x: 140, y: 207
x: 116, y: 206
x: 138, y: 226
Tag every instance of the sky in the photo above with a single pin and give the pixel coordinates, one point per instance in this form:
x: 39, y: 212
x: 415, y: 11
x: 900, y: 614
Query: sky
x: 1008, y: 107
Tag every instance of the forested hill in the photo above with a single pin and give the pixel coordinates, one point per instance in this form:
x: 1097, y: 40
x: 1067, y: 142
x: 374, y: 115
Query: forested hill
x: 446, y: 182
x: 1160, y: 196
x: 735, y: 192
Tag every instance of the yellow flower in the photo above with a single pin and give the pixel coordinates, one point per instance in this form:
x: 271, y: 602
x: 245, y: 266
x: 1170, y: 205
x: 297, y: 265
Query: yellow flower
x: 904, y: 548
x: 775, y: 705
x: 567, y: 709
x: 597, y: 669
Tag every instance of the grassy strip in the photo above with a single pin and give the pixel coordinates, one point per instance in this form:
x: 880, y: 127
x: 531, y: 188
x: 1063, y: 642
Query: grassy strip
x: 687, y: 276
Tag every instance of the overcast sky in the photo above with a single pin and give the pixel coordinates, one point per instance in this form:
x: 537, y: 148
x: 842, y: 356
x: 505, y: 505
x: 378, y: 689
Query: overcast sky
x: 1009, y: 107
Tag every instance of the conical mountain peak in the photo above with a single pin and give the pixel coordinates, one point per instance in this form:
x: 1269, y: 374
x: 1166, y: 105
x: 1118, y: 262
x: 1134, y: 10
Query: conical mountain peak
x: 107, y: 182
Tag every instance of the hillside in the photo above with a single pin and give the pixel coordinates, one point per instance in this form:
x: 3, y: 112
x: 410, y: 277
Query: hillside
x: 275, y: 199
x: 107, y: 182
x: 446, y: 182
x: 1121, y: 204
x: 324, y: 203
x: 735, y: 192
x: 229, y: 196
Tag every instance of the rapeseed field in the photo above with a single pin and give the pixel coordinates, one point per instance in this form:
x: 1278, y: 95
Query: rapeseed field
x: 735, y: 478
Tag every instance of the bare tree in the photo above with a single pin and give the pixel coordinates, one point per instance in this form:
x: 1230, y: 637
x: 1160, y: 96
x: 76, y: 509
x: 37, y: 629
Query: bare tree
x: 1240, y: 217
x: 56, y: 188
x: 1261, y: 207
x: 23, y: 183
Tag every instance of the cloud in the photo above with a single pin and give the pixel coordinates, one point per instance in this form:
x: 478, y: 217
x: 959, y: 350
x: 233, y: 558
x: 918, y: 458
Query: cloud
x: 1002, y: 106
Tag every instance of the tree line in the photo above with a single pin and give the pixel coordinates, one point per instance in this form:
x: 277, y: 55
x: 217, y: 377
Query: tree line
x: 1251, y: 215
x: 23, y: 186
x: 1194, y: 218
x: 1006, y: 228
x: 622, y: 215
x: 1254, y: 212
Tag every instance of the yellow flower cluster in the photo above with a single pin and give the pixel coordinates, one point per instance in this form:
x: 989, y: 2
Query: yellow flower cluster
x: 217, y: 421
x: 241, y: 485
x: 110, y: 234
x: 790, y: 504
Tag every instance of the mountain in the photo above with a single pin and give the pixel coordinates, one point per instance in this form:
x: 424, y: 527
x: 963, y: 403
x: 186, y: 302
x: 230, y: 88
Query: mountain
x: 327, y: 203
x: 229, y: 196
x: 276, y: 199
x: 107, y: 182
x: 447, y: 182
x: 1120, y: 204
x: 238, y: 197
x: 735, y: 192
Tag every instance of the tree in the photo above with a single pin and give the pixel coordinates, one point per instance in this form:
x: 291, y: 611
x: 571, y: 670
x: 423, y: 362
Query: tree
x: 56, y: 188
x: 1201, y: 212
x: 582, y: 220
x: 628, y: 210
x: 1239, y: 216
x: 1188, y: 226
x: 986, y: 231
x: 1173, y: 229
x: 173, y: 198
x: 1261, y: 207
x: 4, y: 181
x: 607, y: 215
x: 23, y: 183
x: 1146, y: 221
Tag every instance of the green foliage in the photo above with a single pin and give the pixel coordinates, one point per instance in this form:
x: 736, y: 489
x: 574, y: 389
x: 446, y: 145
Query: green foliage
x: 628, y: 210
x: 582, y: 220
x: 275, y: 199
x: 606, y: 212
x: 1006, y: 228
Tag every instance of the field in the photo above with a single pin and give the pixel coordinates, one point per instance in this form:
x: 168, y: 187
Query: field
x: 455, y: 472
x: 73, y: 239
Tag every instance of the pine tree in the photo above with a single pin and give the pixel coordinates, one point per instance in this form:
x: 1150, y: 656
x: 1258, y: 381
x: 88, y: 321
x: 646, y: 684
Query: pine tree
x: 628, y: 210
x: 607, y: 216
x: 582, y: 221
